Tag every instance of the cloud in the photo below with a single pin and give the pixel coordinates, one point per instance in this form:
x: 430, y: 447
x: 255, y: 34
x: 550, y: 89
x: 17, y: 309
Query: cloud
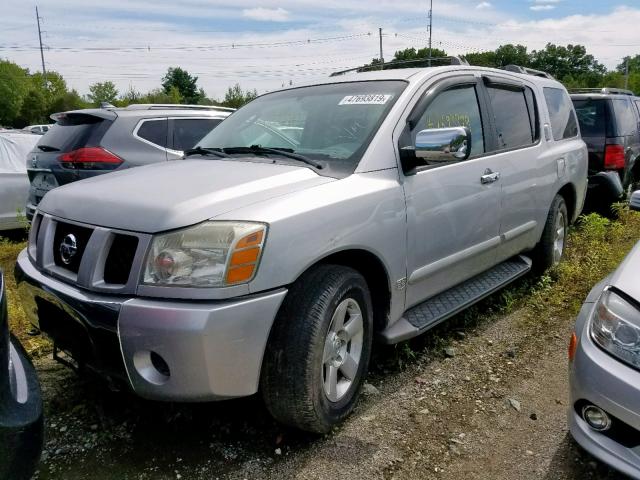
x: 266, y: 14
x: 483, y: 5
x: 539, y: 8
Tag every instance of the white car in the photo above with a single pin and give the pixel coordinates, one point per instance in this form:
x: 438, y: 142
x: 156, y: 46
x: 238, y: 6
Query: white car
x: 38, y: 129
x: 14, y: 183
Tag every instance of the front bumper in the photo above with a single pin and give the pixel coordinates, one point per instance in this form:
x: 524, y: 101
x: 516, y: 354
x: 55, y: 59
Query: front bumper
x: 598, y: 378
x: 164, y: 349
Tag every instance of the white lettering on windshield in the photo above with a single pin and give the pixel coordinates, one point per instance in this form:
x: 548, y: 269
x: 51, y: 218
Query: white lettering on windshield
x: 368, y: 99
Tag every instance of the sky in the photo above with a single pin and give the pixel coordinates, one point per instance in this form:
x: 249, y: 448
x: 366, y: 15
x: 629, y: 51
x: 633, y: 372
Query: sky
x: 273, y: 43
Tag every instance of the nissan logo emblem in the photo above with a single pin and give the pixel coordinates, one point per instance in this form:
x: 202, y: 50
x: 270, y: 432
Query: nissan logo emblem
x: 68, y: 248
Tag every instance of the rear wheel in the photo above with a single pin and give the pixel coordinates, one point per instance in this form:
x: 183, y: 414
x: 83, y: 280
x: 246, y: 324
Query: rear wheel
x: 319, y: 349
x: 549, y: 251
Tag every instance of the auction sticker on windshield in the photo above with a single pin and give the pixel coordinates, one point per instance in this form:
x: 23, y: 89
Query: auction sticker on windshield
x: 369, y: 99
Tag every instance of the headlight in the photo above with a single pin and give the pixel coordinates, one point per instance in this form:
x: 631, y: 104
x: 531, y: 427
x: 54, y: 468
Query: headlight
x: 211, y: 254
x: 615, y: 326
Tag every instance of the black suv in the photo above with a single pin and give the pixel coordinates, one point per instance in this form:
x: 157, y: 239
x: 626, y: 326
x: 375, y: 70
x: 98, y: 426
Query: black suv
x: 610, y: 125
x: 89, y: 142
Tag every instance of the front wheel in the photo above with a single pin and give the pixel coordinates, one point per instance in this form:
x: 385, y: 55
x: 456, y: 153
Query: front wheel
x: 550, y: 249
x: 319, y: 349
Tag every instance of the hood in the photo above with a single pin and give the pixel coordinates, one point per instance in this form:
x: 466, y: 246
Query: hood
x: 175, y: 194
x: 627, y: 277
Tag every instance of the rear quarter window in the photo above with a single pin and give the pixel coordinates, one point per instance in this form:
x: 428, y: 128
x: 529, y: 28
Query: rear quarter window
x: 154, y: 131
x: 563, y: 119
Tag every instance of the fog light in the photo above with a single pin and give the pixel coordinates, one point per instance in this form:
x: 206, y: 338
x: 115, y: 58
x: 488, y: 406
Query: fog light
x: 596, y: 418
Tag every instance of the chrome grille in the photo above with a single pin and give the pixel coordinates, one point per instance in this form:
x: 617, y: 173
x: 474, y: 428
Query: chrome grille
x: 105, y: 260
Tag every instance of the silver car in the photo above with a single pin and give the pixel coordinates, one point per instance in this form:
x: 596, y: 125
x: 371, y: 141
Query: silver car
x: 93, y: 141
x: 310, y: 222
x: 604, y: 416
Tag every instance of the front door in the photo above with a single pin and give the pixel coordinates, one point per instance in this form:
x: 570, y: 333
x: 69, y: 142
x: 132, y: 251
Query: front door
x: 453, y: 210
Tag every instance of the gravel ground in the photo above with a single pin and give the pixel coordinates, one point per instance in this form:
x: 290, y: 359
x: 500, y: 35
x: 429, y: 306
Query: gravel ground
x: 493, y: 406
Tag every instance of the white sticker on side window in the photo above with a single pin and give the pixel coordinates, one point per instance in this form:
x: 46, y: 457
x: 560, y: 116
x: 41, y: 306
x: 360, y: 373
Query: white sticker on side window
x: 368, y: 99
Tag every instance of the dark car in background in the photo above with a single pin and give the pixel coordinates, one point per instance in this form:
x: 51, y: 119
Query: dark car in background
x: 610, y: 126
x: 21, y: 418
x: 89, y: 142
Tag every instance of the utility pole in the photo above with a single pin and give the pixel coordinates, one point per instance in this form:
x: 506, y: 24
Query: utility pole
x: 381, y: 57
x: 626, y: 73
x: 430, y: 27
x: 44, y: 72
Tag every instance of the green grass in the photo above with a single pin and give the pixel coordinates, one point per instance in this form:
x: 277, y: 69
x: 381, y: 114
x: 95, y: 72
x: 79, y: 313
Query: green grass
x: 20, y: 326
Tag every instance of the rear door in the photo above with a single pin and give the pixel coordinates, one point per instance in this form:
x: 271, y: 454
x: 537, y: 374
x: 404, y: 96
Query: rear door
x: 515, y: 125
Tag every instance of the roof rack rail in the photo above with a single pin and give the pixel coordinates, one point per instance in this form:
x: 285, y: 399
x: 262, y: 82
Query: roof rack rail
x: 528, y: 71
x: 175, y: 106
x: 388, y: 66
x: 603, y: 90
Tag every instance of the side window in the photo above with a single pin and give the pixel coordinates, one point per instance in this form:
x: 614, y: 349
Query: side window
x: 625, y: 118
x: 457, y: 107
x: 563, y: 118
x: 154, y: 131
x: 187, y: 132
x: 637, y: 102
x: 512, y: 117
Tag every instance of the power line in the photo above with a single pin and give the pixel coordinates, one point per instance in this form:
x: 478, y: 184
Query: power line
x: 194, y: 47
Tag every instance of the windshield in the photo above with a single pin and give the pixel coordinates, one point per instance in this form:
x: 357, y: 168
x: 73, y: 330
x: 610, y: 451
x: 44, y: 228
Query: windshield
x: 330, y: 123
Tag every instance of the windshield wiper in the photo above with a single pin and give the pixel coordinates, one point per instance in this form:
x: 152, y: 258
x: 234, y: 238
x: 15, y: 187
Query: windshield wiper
x: 48, y: 148
x: 205, y: 151
x: 284, y: 152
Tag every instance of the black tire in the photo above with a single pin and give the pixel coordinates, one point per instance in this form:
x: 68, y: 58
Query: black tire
x: 544, y: 255
x: 293, y: 369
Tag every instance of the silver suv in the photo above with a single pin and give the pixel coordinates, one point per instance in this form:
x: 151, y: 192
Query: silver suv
x: 93, y: 141
x: 311, y: 221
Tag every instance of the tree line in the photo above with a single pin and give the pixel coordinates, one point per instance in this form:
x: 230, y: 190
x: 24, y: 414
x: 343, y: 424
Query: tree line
x: 570, y: 64
x: 29, y: 98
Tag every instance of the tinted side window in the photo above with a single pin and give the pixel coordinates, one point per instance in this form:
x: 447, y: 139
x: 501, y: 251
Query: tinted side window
x: 154, y: 131
x: 189, y: 131
x: 457, y: 107
x: 563, y: 118
x: 637, y: 102
x: 625, y: 118
x: 512, y: 119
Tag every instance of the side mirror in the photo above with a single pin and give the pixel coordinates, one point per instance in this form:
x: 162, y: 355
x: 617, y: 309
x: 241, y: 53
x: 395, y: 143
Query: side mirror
x: 634, y: 202
x: 443, y: 144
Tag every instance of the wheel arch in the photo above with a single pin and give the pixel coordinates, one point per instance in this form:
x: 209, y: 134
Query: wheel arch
x: 375, y: 273
x: 568, y: 193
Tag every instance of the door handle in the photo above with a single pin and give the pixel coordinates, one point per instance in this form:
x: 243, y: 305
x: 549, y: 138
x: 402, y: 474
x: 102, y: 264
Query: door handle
x: 489, y: 176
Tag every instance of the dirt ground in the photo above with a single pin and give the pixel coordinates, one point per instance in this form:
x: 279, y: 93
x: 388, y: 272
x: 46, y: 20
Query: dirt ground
x: 428, y: 417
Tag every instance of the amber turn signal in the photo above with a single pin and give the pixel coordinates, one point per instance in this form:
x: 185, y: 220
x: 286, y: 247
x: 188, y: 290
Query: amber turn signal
x: 573, y: 346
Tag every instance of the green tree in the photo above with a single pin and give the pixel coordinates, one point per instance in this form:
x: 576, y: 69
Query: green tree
x: 185, y: 84
x: 634, y: 64
x: 33, y: 109
x: 102, y: 92
x: 15, y: 83
x: 236, y: 97
x: 568, y: 62
x: 67, y: 101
